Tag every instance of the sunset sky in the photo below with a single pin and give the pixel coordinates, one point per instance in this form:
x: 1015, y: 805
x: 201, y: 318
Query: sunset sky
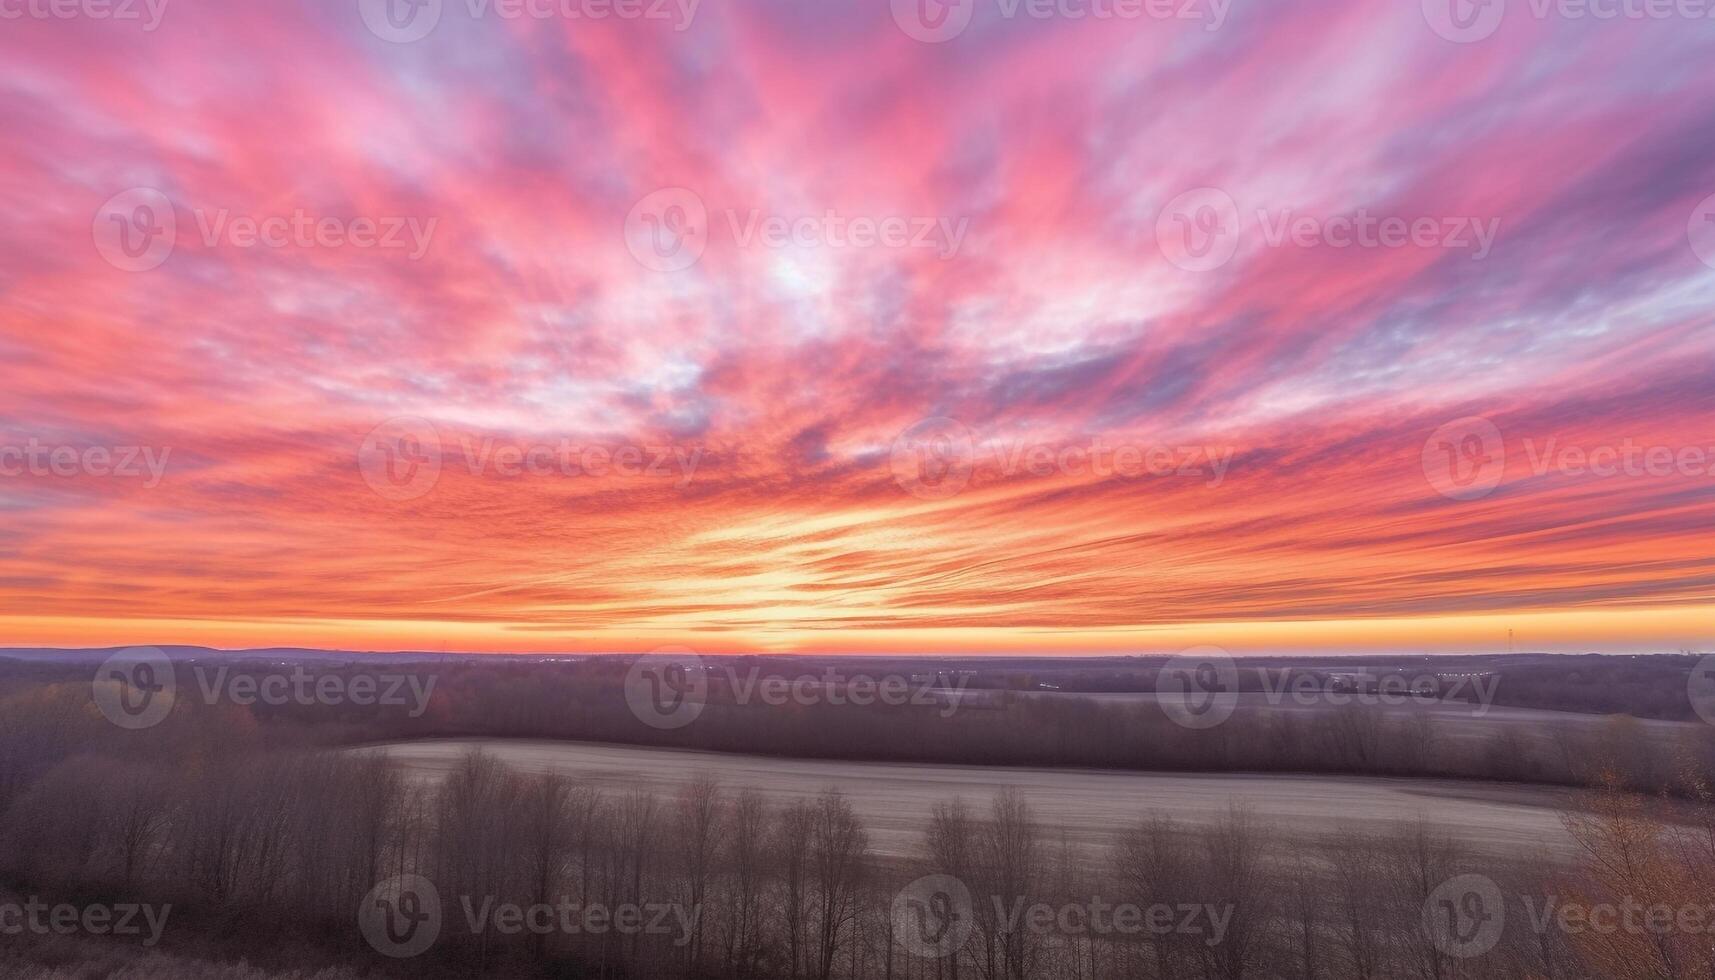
x: 766, y: 325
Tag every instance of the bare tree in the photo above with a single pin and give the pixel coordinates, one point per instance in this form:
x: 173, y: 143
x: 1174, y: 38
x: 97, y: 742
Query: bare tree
x: 1415, y: 861
x: 1011, y: 874
x: 698, y: 826
x: 549, y: 824
x: 748, y: 820
x: 1303, y: 914
x: 951, y: 842
x: 1357, y: 897
x: 792, y: 846
x: 838, y: 848
x: 1634, y: 857
x: 1154, y: 866
x: 1233, y: 879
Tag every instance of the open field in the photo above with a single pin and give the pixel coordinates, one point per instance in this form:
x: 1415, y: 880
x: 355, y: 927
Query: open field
x: 1452, y: 718
x: 1396, y: 704
x: 894, y: 800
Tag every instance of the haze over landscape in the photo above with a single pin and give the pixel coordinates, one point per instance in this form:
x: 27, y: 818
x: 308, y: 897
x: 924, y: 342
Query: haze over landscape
x: 857, y: 489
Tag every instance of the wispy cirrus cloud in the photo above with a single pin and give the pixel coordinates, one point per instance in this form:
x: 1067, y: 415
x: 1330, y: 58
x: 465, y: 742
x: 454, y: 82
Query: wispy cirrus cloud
x: 1163, y: 421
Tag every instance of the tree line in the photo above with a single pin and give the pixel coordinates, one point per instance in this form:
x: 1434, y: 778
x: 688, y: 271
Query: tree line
x: 270, y: 848
x: 586, y: 701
